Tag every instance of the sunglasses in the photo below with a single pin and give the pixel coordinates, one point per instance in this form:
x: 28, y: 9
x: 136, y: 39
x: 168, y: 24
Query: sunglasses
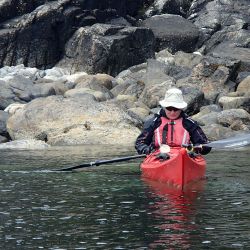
x: 172, y: 109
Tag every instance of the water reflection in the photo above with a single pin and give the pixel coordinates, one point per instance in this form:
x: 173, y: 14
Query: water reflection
x: 111, y: 207
x: 174, y: 212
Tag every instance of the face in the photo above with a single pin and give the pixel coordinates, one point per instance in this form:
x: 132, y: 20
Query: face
x: 172, y: 113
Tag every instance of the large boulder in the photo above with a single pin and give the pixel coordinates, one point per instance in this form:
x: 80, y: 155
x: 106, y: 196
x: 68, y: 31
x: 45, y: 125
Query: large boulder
x: 207, y: 115
x: 230, y: 50
x: 244, y: 86
x: 231, y: 102
x: 156, y: 72
x: 152, y: 94
x: 172, y: 32
x: 67, y: 121
x: 100, y: 82
x: 104, y: 48
x: 194, y: 97
x: 229, y: 116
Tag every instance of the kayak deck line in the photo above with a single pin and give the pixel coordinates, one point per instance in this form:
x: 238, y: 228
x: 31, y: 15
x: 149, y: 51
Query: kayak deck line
x: 180, y: 170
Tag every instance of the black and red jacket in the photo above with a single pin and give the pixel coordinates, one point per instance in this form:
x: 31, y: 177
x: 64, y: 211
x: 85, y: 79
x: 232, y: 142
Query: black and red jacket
x: 145, y: 141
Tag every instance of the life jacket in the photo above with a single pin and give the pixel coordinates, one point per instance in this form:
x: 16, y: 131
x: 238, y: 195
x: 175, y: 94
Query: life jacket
x: 171, y: 132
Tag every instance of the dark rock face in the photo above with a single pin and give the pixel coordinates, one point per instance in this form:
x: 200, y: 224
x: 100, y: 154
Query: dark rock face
x: 37, y: 39
x: 34, y: 33
x: 107, y: 48
x: 122, y: 7
x: 177, y: 7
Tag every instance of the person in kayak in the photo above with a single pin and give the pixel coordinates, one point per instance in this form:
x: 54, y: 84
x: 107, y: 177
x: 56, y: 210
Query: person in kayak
x: 172, y: 127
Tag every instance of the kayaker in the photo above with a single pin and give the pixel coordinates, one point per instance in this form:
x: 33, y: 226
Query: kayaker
x: 171, y: 126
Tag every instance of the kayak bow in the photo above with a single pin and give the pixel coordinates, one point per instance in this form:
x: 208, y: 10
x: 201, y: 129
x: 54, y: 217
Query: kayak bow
x: 180, y: 170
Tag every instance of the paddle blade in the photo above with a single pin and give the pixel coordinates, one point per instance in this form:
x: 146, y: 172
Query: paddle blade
x: 232, y: 142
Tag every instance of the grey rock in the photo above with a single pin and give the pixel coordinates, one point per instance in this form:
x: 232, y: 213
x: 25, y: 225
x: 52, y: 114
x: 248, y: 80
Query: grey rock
x: 244, y: 86
x: 241, y: 76
x: 139, y: 113
x: 187, y: 60
x: 228, y: 102
x: 230, y: 50
x: 50, y: 87
x: 152, y: 94
x: 15, y: 89
x: 82, y: 92
x: 27, y: 72
x: 3, y: 139
x: 212, y: 76
x: 3, y: 119
x: 156, y: 72
x: 173, y: 32
x: 20, y: 89
x: 222, y: 23
x: 120, y: 88
x: 132, y: 74
x: 207, y: 115
x: 227, y: 117
x: 168, y: 6
x: 96, y: 84
x: 194, y: 98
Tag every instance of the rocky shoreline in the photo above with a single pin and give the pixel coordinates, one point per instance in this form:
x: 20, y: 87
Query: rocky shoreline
x: 105, y: 76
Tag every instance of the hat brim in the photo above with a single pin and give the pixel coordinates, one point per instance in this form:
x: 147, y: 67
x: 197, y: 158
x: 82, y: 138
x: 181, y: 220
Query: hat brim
x: 178, y: 105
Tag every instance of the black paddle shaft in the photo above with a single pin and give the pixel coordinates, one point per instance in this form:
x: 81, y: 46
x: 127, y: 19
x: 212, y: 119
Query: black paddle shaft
x: 102, y: 162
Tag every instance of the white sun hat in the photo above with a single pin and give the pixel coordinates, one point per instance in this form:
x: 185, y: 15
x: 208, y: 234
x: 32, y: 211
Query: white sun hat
x: 173, y: 98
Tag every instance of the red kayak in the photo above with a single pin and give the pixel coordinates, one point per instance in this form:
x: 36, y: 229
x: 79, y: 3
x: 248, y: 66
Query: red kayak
x: 180, y: 170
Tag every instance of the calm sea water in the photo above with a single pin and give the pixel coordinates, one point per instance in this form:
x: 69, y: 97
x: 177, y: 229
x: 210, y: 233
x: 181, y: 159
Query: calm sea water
x: 112, y: 207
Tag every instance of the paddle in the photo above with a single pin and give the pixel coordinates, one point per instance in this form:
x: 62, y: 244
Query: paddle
x: 101, y: 162
x: 231, y: 142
